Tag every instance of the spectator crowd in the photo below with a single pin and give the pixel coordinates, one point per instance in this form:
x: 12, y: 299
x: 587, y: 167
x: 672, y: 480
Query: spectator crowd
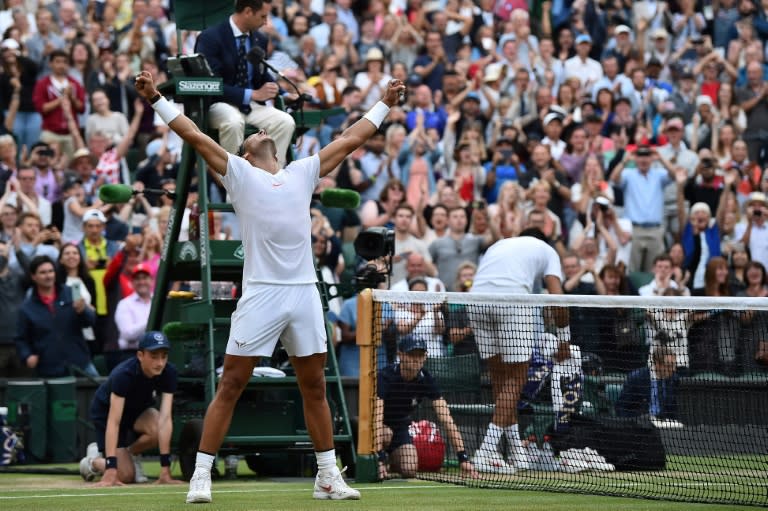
x: 633, y: 134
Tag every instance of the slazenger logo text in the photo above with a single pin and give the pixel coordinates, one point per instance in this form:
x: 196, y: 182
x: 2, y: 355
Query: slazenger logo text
x: 199, y: 86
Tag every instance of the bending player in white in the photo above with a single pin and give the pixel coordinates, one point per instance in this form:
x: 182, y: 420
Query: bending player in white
x: 280, y: 298
x: 506, y: 335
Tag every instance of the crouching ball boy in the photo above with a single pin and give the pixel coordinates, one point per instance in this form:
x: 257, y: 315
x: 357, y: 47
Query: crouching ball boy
x: 126, y: 420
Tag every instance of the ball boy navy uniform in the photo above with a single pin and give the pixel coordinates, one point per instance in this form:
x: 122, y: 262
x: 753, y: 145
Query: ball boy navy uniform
x: 401, y: 399
x: 128, y: 381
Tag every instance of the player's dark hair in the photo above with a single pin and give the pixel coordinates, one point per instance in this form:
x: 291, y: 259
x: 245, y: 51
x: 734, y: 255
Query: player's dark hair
x: 534, y: 232
x: 255, y: 5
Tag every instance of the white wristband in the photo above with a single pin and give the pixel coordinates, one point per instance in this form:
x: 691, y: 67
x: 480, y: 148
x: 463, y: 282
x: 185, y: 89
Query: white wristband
x: 165, y: 110
x: 377, y: 114
x: 563, y: 333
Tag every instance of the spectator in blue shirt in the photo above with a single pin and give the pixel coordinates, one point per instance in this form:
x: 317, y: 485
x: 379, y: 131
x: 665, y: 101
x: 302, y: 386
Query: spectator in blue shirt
x: 643, y: 188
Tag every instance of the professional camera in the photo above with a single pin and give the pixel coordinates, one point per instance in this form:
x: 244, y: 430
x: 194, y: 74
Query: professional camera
x: 372, y: 244
x: 369, y: 277
x: 375, y: 242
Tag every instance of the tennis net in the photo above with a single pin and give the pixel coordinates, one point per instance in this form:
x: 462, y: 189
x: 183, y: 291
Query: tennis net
x: 660, y: 397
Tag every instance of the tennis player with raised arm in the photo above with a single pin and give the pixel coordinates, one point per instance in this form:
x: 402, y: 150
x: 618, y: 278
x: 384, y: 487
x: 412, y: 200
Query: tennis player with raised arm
x: 280, y: 298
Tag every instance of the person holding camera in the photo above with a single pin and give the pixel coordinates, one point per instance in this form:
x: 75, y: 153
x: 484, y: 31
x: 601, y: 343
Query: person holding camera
x: 705, y: 185
x: 48, y: 180
x: 643, y: 188
x: 24, y: 195
x: 754, y: 233
x: 504, y: 166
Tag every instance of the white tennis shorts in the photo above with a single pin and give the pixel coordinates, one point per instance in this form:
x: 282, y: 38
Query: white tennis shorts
x: 267, y: 312
x: 506, y: 330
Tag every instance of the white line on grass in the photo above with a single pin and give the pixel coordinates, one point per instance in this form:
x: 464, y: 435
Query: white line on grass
x: 273, y: 490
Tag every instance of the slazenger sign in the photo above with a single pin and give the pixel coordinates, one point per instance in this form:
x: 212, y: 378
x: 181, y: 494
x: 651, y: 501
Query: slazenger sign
x: 205, y: 86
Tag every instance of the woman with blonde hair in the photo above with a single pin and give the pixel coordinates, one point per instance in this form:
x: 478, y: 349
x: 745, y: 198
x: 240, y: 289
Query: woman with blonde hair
x: 468, y: 175
x: 472, y: 136
x: 340, y: 45
x: 507, y: 213
x: 541, y: 193
x: 591, y: 185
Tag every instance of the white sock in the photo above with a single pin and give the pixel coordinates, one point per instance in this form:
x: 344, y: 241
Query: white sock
x: 326, y: 460
x: 204, y: 461
x: 492, y: 437
x: 513, y: 435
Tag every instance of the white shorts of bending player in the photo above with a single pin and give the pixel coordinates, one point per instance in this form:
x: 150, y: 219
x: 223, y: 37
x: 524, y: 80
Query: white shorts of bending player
x: 268, y: 312
x: 507, y: 330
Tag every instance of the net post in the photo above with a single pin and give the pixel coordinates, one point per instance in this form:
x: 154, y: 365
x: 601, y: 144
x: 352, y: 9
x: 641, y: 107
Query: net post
x: 367, y: 465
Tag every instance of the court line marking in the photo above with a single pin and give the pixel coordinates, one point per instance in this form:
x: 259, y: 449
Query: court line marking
x: 265, y: 490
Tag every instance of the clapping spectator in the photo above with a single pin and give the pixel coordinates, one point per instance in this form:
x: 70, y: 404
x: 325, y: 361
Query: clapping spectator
x: 132, y: 312
x: 74, y: 206
x: 507, y: 212
x: 113, y: 125
x: 32, y: 240
x: 17, y: 83
x: 45, y: 42
x: 662, y: 278
x: 11, y: 296
x: 42, y: 158
x: 331, y: 84
x: 754, y: 232
x: 53, y: 95
x: 422, y: 321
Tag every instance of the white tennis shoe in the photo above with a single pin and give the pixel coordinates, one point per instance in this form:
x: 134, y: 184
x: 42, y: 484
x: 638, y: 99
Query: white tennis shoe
x: 138, y: 470
x: 330, y: 485
x: 86, y: 467
x: 199, y: 487
x: 491, y: 462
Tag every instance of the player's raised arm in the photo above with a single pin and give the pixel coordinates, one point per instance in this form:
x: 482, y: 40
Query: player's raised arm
x: 357, y: 134
x: 212, y: 153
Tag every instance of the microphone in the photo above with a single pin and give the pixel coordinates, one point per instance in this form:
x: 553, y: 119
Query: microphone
x: 257, y: 58
x: 339, y: 198
x: 120, y: 194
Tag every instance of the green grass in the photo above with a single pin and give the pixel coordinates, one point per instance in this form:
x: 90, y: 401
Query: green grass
x: 737, y: 479
x: 28, y: 492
